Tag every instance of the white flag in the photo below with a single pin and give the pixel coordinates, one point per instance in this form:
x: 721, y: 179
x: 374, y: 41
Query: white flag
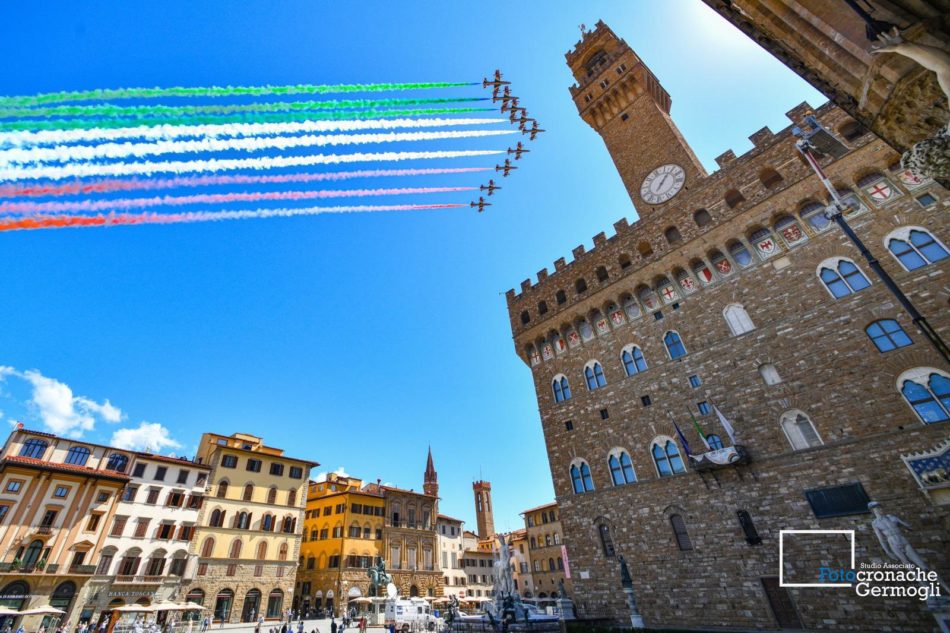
x: 726, y: 425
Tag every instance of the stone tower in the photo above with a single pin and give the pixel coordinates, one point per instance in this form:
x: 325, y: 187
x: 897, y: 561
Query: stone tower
x: 430, y: 482
x: 483, y: 510
x: 618, y: 96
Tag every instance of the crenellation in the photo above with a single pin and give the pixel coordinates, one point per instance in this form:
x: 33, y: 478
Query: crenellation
x: 577, y: 251
x: 761, y: 137
x: 799, y: 112
x: 560, y: 264
x: 600, y: 239
x: 525, y: 285
x: 725, y: 158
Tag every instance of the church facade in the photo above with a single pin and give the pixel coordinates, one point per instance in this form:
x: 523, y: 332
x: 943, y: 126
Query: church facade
x: 734, y: 294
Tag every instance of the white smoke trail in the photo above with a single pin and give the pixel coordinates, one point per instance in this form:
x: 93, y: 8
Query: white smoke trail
x: 39, y: 156
x: 84, y: 170
x: 168, y: 132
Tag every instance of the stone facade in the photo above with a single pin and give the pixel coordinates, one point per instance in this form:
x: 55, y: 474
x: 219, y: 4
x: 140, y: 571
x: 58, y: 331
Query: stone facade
x: 826, y: 43
x: 715, y: 298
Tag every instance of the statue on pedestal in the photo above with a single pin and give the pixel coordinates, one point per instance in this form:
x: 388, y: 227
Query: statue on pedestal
x: 887, y: 528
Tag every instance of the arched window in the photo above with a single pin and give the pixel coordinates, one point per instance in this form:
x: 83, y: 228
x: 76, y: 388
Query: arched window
x: 769, y: 374
x: 34, y: 448
x: 580, y: 285
x: 236, y: 549
x: 876, y: 187
x: 222, y: 489
x: 594, y: 374
x: 770, y: 178
x: 737, y: 319
x: 117, y: 462
x: 606, y: 542
x: 602, y: 273
x: 248, y: 492
x: 672, y: 235
x: 551, y: 566
x: 216, y: 519
x: 542, y: 307
x: 242, y: 521
x: 915, y: 248
x: 927, y: 391
x: 292, y: 497
x: 272, y: 496
x: 702, y: 218
x: 633, y: 360
x: 580, y: 477
x: 282, y: 553
x: 624, y: 261
x: 887, y: 335
x: 621, y: 468
x: 680, y: 533
x: 207, y: 548
x: 562, y: 389
x: 644, y: 249
x: 714, y: 441
x: 666, y: 458
x: 533, y: 543
x: 262, y: 551
x: 851, y: 131
x: 267, y: 523
x: 77, y: 455
x: 799, y: 430
x: 814, y: 214
x: 525, y: 317
x: 733, y: 198
x: 841, y: 277
x: 560, y: 297
x: 674, y: 345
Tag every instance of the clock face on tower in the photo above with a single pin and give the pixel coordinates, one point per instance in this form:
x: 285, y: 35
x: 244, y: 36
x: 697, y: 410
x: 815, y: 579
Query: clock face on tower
x: 662, y: 183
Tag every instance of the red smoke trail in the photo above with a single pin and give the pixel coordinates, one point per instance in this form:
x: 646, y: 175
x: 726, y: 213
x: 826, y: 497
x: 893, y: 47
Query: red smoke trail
x: 212, y: 198
x: 117, y: 219
x: 104, y: 186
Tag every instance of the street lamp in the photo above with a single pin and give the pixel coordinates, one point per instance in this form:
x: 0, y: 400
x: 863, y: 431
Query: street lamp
x: 816, y: 139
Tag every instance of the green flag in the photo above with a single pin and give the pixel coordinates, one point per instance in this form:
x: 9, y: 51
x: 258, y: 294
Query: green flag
x: 699, y: 429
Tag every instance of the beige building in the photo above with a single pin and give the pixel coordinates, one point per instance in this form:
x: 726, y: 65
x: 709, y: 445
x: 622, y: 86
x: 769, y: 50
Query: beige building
x: 547, y: 552
x: 451, y: 554
x: 58, y: 498
x: 521, y: 563
x: 248, y: 535
x: 478, y: 559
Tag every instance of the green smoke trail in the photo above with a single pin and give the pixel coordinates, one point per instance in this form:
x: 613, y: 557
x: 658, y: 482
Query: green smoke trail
x: 216, y: 91
x: 152, y: 111
x: 75, y: 124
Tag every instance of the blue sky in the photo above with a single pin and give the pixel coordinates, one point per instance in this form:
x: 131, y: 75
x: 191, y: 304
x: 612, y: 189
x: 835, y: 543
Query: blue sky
x: 358, y: 340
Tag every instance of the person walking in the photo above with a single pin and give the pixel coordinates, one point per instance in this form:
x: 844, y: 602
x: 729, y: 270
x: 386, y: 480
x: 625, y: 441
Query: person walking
x: 204, y: 625
x: 300, y: 626
x: 333, y: 625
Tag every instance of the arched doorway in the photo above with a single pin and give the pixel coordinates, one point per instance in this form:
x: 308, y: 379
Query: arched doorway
x: 252, y: 606
x: 222, y: 605
x: 329, y: 602
x: 196, y: 596
x: 62, y: 598
x: 275, y: 603
x: 413, y: 591
x: 13, y: 596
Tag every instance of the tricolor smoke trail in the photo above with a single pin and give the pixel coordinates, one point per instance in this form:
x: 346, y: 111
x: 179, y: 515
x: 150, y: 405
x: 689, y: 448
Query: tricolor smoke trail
x: 36, y: 157
x: 124, y: 204
x: 108, y: 186
x: 110, y: 111
x: 170, y: 132
x: 218, y: 91
x: 65, y: 221
x: 83, y: 170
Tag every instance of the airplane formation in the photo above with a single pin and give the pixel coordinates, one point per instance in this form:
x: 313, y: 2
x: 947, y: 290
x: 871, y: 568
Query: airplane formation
x: 518, y: 115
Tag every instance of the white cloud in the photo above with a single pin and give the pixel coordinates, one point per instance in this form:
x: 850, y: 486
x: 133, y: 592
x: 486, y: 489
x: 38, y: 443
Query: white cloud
x: 61, y: 411
x: 340, y: 472
x: 150, y: 436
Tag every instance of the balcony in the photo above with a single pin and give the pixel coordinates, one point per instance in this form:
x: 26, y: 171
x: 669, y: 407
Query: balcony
x: 44, y: 529
x: 722, y: 458
x: 82, y: 569
x: 139, y: 580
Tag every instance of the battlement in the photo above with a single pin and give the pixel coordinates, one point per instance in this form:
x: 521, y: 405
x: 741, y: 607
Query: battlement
x: 741, y: 185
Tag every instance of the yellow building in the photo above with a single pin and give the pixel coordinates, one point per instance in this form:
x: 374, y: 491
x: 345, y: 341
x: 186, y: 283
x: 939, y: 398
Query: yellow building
x: 547, y: 552
x: 342, y: 538
x: 248, y: 534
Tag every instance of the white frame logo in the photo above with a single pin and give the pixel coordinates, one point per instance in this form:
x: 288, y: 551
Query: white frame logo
x: 781, y: 558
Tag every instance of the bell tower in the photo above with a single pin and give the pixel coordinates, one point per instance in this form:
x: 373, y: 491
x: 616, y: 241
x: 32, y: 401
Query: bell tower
x: 618, y: 96
x: 430, y: 481
x: 484, y: 517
